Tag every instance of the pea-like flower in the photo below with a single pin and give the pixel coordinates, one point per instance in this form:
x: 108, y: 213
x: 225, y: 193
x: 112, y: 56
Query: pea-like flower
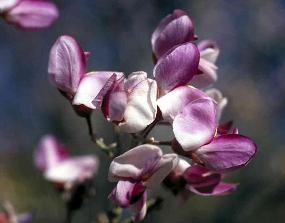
x: 131, y: 103
x: 29, y: 14
x: 52, y: 158
x: 67, y: 71
x: 173, y: 30
x: 142, y: 167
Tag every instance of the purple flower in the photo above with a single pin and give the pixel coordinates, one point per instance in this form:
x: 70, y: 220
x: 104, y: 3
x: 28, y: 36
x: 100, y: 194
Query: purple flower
x: 175, y: 29
x: 131, y: 103
x: 52, y: 159
x: 140, y: 168
x: 67, y: 71
x: 29, y: 14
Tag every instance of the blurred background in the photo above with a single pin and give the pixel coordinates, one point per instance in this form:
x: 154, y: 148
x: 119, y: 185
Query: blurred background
x: 251, y: 36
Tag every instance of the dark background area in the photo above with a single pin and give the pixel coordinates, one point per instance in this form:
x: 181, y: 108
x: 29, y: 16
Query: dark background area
x: 251, y: 36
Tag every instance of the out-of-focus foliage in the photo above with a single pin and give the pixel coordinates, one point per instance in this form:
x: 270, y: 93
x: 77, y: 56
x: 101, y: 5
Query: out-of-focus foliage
x: 251, y: 37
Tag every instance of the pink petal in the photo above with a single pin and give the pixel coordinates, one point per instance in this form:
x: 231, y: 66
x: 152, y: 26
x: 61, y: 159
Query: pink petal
x: 49, y: 153
x: 126, y: 193
x: 221, y: 189
x: 135, y: 163
x: 67, y: 65
x: 196, y: 125
x: 93, y: 87
x: 141, y: 105
x: 177, y: 67
x: 166, y: 164
x: 227, y: 152
x: 140, y: 208
x: 73, y: 170
x: 174, y: 102
x: 30, y: 14
x: 7, y: 4
x: 175, y: 29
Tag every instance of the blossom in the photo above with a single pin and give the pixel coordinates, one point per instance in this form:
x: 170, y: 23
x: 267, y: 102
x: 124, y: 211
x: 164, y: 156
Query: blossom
x: 188, y: 179
x: 67, y: 71
x: 142, y: 167
x: 29, y: 14
x: 131, y: 103
x: 219, y: 99
x: 53, y: 160
x: 175, y: 29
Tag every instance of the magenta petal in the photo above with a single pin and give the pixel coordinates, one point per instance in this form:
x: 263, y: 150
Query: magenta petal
x: 219, y: 190
x: 140, y: 208
x: 30, y: 14
x: 200, y: 177
x: 67, y: 64
x: 135, y: 163
x: 177, y: 67
x: 196, y: 125
x: 174, y: 102
x: 125, y: 193
x: 227, y: 152
x: 93, y: 87
x: 176, y: 28
x: 49, y: 153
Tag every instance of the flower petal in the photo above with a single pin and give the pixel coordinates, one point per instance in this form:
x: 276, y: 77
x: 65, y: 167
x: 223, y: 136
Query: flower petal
x: 175, y: 29
x: 93, y: 87
x: 49, y: 153
x: 220, y: 99
x: 67, y: 65
x: 177, y: 67
x: 196, y: 125
x: 140, y: 208
x: 126, y: 193
x: 30, y: 14
x: 166, y: 164
x: 221, y: 189
x: 227, y: 152
x: 174, y: 102
x: 135, y: 163
x: 73, y: 170
x: 141, y: 105
x: 7, y: 4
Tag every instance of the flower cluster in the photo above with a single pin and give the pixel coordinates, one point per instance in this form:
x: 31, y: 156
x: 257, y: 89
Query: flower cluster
x: 28, y: 14
x: 177, y: 95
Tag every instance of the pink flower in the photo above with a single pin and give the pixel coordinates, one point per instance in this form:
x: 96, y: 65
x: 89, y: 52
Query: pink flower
x: 29, y: 14
x: 131, y: 103
x: 140, y: 168
x: 52, y: 159
x: 67, y: 71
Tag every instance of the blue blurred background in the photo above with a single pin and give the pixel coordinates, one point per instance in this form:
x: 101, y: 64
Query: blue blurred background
x: 251, y: 36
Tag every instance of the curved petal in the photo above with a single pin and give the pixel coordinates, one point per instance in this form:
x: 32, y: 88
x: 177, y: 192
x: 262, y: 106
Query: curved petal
x: 7, y: 4
x: 30, y: 14
x: 177, y: 67
x: 73, y: 170
x: 196, y: 125
x: 220, y: 99
x: 174, y: 102
x: 166, y: 164
x: 135, y: 163
x: 49, y: 153
x: 221, y: 189
x: 175, y: 29
x: 93, y: 87
x: 67, y: 65
x: 227, y: 152
x: 140, y: 208
x: 126, y: 193
x: 209, y: 50
x: 141, y: 105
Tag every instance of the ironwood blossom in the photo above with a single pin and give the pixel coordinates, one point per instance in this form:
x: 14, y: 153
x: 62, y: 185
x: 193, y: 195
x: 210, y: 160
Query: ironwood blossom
x: 142, y: 167
x: 52, y: 158
x: 29, y: 14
